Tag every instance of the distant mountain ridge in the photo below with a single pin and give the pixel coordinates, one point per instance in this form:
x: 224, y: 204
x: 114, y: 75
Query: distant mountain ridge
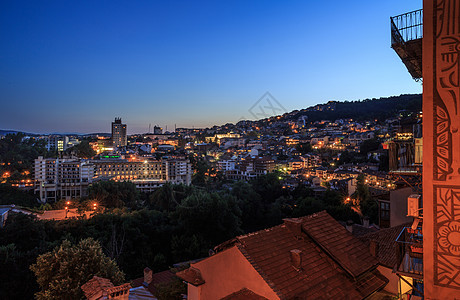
x: 5, y: 132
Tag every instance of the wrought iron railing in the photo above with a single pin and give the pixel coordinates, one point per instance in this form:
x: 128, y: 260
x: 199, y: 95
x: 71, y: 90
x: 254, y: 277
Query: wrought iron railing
x: 407, y: 27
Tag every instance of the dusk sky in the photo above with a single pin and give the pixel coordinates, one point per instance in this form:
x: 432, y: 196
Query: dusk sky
x: 73, y: 66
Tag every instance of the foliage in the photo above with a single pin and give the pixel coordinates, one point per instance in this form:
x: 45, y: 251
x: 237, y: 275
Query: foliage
x: 82, y: 150
x: 61, y: 272
x: 304, y: 148
x: 368, y: 109
x: 114, y: 194
x: 13, y: 195
x: 17, y: 155
x: 172, y: 290
x: 368, y: 205
x: 369, y: 145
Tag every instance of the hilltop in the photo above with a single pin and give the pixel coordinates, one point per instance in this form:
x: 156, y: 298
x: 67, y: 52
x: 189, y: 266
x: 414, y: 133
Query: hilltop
x: 360, y: 110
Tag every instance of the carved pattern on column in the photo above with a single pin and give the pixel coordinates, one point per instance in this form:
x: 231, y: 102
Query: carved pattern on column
x: 446, y: 189
x: 442, y: 155
x: 447, y: 233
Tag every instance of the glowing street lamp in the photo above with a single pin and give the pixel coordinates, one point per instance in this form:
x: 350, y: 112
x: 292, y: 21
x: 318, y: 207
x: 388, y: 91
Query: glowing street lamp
x: 94, y: 206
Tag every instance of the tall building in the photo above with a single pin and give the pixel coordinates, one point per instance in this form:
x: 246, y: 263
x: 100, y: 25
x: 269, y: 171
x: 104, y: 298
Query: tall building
x: 119, y: 138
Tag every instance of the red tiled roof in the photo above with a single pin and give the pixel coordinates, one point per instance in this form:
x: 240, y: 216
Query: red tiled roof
x: 320, y: 275
x: 386, y: 240
x: 244, y: 294
x: 351, y: 254
x: 96, y: 285
x: 191, y: 275
x: 157, y: 278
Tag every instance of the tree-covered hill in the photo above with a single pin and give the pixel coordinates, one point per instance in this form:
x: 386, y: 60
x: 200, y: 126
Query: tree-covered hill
x: 368, y: 109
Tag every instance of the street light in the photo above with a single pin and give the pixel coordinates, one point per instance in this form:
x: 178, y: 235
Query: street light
x: 94, y: 206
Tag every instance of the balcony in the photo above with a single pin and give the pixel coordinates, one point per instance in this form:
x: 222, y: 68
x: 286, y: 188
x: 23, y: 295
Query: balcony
x: 410, y: 253
x: 406, y: 40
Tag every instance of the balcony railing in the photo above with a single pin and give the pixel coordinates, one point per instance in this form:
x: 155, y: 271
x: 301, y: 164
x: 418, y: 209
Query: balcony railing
x: 407, y: 27
x: 410, y: 252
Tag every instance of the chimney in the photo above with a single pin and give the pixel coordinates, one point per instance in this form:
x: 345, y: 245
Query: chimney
x: 294, y: 225
x: 296, y: 259
x: 350, y: 226
x: 374, y: 247
x: 148, y: 276
x: 366, y: 221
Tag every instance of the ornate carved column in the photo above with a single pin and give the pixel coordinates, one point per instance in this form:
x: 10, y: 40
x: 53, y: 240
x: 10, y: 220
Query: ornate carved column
x: 441, y: 134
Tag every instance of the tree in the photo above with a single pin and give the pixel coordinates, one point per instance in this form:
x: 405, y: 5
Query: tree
x: 82, y: 150
x: 114, y: 194
x: 367, y: 205
x: 61, y: 272
x: 369, y: 145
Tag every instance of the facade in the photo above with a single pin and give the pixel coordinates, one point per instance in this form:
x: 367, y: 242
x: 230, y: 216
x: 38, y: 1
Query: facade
x: 57, y: 179
x: 57, y: 142
x: 147, y: 175
x: 119, y: 137
x: 441, y: 148
x: 434, y: 244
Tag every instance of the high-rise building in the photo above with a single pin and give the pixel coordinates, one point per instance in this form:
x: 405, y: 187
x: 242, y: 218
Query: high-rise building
x: 119, y: 138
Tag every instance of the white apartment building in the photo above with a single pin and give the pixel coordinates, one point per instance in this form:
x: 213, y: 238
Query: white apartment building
x: 147, y: 175
x: 57, y: 179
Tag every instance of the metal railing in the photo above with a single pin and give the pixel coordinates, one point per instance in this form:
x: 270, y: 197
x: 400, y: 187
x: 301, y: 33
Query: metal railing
x: 407, y: 27
x: 410, y: 251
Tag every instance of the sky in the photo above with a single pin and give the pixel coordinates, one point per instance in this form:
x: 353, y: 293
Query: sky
x: 73, y: 66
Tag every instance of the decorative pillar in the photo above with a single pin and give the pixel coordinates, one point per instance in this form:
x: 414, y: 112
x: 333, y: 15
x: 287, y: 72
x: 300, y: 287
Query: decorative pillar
x: 441, y: 149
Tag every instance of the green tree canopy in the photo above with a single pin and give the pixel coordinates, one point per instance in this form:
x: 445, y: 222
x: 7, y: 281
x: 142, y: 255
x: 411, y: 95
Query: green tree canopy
x: 61, y: 272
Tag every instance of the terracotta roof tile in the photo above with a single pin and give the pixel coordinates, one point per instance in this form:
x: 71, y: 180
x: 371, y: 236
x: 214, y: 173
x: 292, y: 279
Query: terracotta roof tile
x: 157, y: 278
x: 244, y: 294
x: 320, y: 276
x: 386, y: 240
x: 191, y: 275
x: 334, y: 264
x: 96, y: 286
x: 351, y: 253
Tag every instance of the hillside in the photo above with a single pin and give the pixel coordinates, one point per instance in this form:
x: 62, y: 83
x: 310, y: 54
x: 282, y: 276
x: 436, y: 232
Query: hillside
x: 368, y: 109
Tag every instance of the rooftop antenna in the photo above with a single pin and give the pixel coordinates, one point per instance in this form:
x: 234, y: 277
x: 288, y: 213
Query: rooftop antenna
x: 166, y: 128
x: 150, y: 125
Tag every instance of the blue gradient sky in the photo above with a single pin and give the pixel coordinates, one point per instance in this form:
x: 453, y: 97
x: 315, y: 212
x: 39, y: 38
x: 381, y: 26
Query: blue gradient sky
x: 72, y: 66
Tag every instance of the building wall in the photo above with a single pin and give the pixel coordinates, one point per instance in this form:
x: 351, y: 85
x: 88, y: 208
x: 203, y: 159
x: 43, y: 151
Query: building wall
x: 398, y: 206
x: 441, y: 149
x: 393, y: 284
x: 61, y: 178
x: 221, y: 273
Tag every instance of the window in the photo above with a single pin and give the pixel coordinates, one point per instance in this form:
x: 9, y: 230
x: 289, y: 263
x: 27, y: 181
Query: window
x: 384, y: 211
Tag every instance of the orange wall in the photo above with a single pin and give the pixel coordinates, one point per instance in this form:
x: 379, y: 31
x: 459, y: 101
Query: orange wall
x: 392, y: 285
x: 227, y: 272
x: 441, y: 149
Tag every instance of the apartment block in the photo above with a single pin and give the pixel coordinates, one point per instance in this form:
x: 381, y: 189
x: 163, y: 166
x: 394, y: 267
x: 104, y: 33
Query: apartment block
x: 57, y: 179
